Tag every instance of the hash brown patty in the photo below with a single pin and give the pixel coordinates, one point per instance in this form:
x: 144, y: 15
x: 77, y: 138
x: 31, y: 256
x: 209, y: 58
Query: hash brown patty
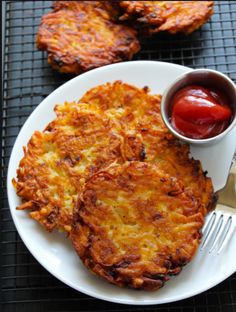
x: 81, y: 35
x: 107, y: 171
x: 135, y: 226
x: 138, y: 112
x: 59, y: 160
x: 170, y: 16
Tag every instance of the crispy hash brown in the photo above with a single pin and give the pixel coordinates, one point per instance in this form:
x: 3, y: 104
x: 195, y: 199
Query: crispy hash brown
x: 173, y: 157
x: 133, y: 108
x: 58, y: 161
x: 81, y: 35
x: 138, y: 111
x: 107, y: 171
x: 170, y: 16
x: 135, y: 225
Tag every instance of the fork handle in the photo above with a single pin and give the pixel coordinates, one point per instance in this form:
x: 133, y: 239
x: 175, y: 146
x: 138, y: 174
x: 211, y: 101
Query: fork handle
x: 227, y: 195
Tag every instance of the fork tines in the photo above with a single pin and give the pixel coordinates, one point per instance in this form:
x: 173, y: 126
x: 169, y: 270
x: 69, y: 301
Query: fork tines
x: 217, y: 231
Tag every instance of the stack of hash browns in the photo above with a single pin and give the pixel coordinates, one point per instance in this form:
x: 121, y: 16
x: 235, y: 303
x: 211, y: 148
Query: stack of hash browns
x: 108, y: 173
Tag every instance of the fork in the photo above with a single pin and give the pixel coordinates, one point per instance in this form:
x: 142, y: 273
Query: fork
x: 221, y: 223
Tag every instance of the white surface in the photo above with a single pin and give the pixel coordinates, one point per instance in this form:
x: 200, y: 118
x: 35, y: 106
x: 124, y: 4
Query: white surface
x: 55, y: 252
x: 216, y: 159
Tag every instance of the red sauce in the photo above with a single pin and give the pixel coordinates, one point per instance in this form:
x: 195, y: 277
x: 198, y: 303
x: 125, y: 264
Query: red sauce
x: 200, y: 113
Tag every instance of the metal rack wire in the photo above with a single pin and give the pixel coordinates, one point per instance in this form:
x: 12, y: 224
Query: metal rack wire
x: 27, y: 80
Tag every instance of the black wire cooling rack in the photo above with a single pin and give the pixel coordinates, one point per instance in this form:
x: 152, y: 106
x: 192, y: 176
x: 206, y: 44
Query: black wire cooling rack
x: 27, y: 80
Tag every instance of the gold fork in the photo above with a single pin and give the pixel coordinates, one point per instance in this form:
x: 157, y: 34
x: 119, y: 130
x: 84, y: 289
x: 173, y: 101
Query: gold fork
x: 221, y: 223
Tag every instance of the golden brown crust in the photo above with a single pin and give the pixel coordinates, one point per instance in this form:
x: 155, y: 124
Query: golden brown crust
x: 57, y: 162
x: 108, y: 156
x: 81, y: 35
x: 135, y: 226
x: 134, y: 108
x: 170, y: 16
x: 174, y: 157
x: 138, y: 112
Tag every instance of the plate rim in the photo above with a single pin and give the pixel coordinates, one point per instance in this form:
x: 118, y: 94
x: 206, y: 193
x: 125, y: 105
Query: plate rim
x: 17, y: 223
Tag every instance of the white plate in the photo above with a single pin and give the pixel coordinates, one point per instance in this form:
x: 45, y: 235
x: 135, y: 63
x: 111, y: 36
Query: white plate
x: 55, y: 252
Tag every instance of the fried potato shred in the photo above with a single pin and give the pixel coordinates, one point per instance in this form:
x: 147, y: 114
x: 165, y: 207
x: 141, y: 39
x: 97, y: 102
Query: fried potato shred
x: 138, y: 111
x: 170, y: 16
x: 58, y: 161
x: 81, y: 35
x: 135, y: 225
x: 108, y: 172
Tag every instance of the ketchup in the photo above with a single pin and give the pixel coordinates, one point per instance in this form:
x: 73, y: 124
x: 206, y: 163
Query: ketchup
x: 200, y: 113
